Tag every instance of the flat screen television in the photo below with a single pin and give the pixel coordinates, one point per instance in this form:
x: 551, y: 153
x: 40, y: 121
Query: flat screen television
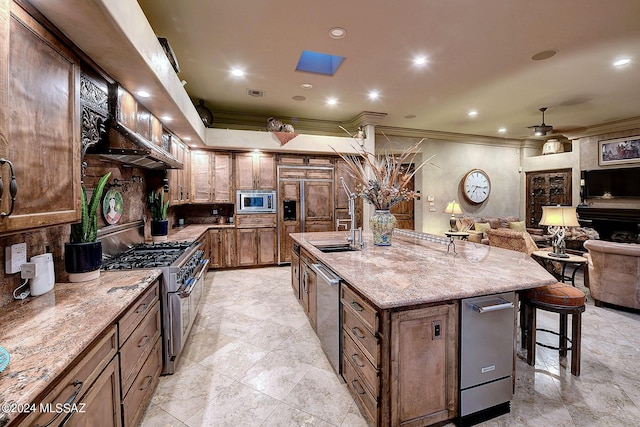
x: 610, y: 183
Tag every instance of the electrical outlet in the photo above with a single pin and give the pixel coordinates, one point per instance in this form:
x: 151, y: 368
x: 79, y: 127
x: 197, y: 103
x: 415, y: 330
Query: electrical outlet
x: 15, y: 256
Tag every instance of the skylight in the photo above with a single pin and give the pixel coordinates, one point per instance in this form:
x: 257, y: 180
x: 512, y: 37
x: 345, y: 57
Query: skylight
x: 319, y: 63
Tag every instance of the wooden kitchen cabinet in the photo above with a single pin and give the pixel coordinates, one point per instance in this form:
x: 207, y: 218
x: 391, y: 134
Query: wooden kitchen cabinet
x: 92, y: 384
x: 308, y: 287
x: 210, y: 177
x: 180, y: 179
x: 295, y: 271
x: 222, y: 243
x: 424, y: 380
x: 256, y: 246
x: 39, y: 124
x: 255, y: 171
x: 256, y: 239
x: 401, y: 366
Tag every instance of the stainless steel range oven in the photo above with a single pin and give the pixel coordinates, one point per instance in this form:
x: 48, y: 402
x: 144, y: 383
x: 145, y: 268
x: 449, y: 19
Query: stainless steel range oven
x: 183, y: 269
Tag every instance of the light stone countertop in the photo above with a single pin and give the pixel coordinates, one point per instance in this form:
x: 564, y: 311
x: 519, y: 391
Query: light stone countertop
x: 413, y: 271
x: 44, y: 334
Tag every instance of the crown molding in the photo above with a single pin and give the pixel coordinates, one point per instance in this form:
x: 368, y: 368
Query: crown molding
x: 447, y: 136
x: 610, y: 127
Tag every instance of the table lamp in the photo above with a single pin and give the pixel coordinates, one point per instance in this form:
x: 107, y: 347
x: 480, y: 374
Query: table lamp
x: 557, y: 218
x: 453, y: 208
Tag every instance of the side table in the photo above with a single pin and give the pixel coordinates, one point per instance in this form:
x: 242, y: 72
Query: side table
x: 575, y: 261
x: 462, y: 235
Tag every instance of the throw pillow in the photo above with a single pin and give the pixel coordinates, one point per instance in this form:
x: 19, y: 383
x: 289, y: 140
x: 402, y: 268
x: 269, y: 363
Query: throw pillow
x: 518, y: 226
x: 482, y: 226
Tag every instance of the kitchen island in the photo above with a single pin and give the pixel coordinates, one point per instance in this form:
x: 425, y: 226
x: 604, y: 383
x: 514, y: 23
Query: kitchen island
x: 400, y: 316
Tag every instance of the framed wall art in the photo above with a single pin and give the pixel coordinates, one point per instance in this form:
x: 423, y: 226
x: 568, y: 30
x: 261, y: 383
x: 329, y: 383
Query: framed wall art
x: 618, y: 151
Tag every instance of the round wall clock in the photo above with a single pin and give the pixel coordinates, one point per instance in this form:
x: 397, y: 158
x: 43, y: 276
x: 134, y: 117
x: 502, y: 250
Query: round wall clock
x: 476, y: 186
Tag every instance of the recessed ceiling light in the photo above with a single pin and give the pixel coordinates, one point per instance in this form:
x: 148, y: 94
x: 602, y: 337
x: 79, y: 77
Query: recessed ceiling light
x: 545, y: 54
x: 237, y: 72
x: 306, y: 85
x: 143, y: 94
x: 187, y: 138
x: 166, y: 118
x: 502, y: 130
x: 374, y: 94
x: 472, y: 113
x: 621, y: 62
x: 420, y: 60
x: 298, y: 98
x: 332, y: 101
x: 337, y: 32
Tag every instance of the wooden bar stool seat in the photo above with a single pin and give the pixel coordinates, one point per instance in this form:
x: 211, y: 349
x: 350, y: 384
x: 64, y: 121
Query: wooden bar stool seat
x: 561, y: 298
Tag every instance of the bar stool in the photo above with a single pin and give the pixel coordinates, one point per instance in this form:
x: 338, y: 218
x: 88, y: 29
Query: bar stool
x: 561, y: 298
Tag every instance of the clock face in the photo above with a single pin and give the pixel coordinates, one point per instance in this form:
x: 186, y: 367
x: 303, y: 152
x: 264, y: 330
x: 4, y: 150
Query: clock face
x: 476, y: 186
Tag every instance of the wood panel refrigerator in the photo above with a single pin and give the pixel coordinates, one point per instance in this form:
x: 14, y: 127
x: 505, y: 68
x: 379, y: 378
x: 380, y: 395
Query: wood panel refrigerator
x: 305, y: 200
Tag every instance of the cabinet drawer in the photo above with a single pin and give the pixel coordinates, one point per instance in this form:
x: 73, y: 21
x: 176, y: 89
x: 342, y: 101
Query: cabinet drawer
x: 361, y: 364
x: 292, y: 173
x: 135, y: 401
x: 307, y: 257
x: 135, y: 350
x: 354, y: 327
x: 79, y: 380
x: 136, y: 313
x: 255, y: 221
x: 367, y: 401
x: 362, y: 309
x: 320, y: 173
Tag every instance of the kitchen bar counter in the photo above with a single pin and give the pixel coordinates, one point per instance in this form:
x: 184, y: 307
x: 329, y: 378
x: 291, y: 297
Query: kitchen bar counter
x: 44, y: 334
x: 414, y: 271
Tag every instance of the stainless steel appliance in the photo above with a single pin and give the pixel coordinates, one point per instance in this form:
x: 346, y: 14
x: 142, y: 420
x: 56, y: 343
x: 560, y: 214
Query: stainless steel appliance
x: 183, y: 271
x: 328, y: 322
x: 255, y: 201
x: 486, y: 356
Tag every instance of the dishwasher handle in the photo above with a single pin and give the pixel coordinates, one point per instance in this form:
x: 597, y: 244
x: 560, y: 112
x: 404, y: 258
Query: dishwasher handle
x: 327, y: 275
x: 502, y: 305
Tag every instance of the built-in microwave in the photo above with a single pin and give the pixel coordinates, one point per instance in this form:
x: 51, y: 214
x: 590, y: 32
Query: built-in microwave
x: 255, y: 201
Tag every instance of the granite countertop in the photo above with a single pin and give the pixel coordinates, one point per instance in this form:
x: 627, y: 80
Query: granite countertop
x: 413, y: 271
x: 44, y: 334
x: 191, y: 232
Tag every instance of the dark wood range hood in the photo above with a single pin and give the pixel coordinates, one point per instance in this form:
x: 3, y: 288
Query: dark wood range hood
x: 115, y: 126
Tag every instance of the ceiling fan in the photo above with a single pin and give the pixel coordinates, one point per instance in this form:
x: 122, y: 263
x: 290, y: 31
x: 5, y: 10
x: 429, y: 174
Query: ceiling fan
x: 542, y: 129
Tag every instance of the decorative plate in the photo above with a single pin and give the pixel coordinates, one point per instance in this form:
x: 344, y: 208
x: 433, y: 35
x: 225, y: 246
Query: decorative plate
x: 4, y: 359
x: 112, y: 206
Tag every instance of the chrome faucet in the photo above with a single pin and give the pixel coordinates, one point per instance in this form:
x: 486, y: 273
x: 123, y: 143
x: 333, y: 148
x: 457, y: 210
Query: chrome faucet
x: 352, y: 218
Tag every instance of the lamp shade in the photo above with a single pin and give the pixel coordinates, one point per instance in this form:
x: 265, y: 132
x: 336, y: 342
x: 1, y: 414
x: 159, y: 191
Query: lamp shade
x: 563, y: 216
x: 453, y: 208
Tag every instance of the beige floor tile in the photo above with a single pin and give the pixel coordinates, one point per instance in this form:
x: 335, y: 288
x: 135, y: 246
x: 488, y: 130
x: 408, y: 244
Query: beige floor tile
x: 322, y: 394
x: 156, y: 417
x: 235, y: 406
x: 276, y: 374
x: 286, y: 416
x: 183, y: 394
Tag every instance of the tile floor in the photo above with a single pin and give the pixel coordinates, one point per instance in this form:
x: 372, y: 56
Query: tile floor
x: 253, y: 360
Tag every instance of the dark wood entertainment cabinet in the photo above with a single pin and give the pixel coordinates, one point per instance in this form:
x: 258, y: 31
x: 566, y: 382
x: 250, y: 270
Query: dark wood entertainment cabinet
x: 613, y: 224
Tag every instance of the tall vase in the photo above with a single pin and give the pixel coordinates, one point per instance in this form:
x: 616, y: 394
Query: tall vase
x: 382, y: 224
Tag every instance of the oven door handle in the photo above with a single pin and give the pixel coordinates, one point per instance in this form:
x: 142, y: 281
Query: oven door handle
x: 190, y: 283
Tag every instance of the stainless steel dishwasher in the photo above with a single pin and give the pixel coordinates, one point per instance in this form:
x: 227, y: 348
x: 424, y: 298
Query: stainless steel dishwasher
x: 328, y: 323
x: 487, y: 346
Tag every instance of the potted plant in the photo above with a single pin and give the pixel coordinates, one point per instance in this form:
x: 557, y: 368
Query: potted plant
x: 83, y: 252
x: 159, y: 222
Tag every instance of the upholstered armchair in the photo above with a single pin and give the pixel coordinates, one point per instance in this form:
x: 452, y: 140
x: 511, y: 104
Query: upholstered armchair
x: 614, y: 273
